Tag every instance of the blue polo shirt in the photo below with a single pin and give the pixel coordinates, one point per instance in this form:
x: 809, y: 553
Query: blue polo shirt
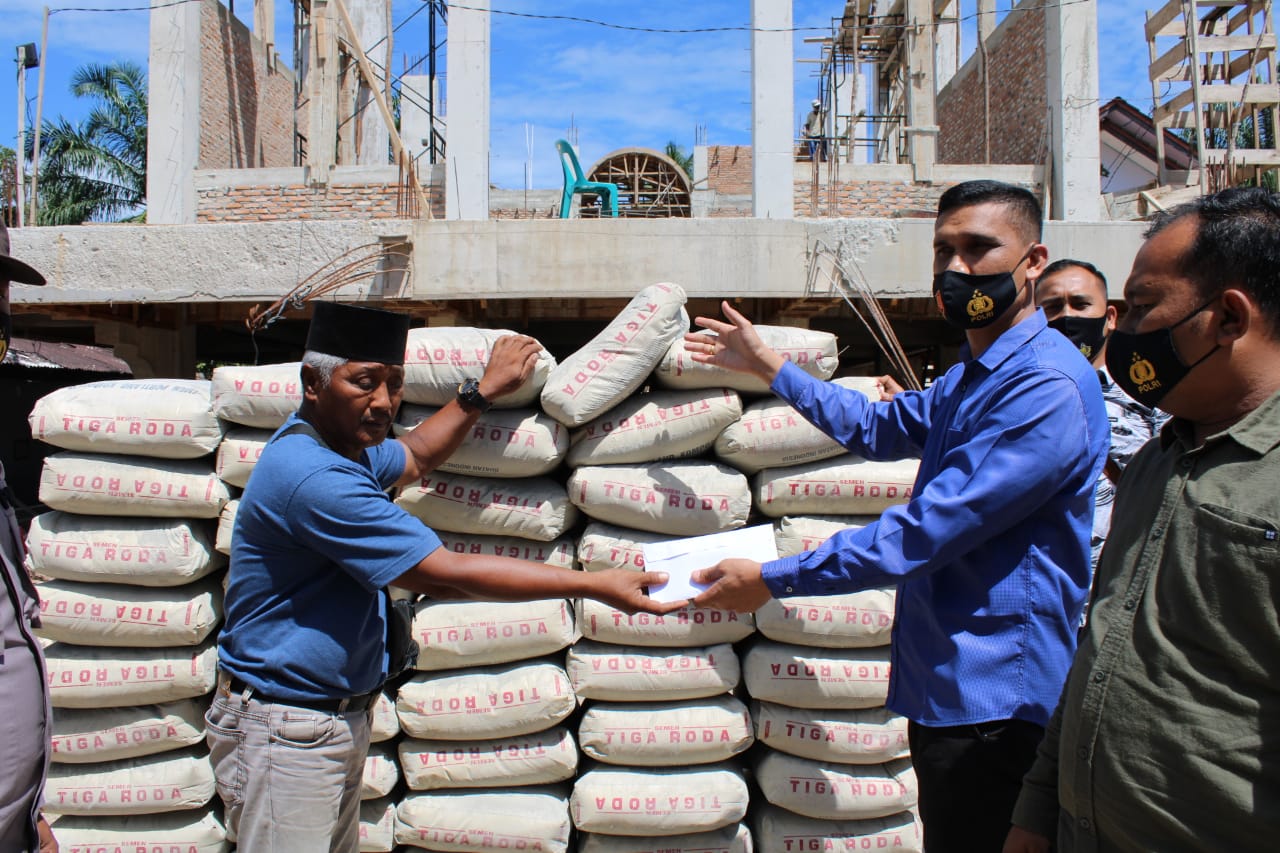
x: 315, y: 539
x: 991, y: 555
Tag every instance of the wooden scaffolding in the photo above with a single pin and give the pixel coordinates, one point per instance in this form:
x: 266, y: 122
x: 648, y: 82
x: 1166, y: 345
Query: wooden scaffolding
x: 1213, y: 76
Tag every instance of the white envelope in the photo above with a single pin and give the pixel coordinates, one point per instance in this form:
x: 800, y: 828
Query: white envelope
x: 679, y: 558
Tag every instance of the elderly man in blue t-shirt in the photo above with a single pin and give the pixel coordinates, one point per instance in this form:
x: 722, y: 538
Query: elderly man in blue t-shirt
x: 991, y: 555
x: 303, y: 651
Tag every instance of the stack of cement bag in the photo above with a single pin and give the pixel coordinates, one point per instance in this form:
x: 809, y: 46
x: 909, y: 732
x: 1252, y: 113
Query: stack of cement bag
x: 131, y: 609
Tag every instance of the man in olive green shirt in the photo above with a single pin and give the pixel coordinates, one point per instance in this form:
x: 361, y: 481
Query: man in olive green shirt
x: 1167, y: 735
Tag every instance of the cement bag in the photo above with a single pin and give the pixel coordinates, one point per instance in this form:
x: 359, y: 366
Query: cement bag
x: 812, y: 351
x: 658, y: 801
x: 139, y: 551
x: 625, y: 673
x: 779, y: 829
x: 168, y: 782
x: 795, y: 534
x: 771, y: 434
x: 735, y: 838
x: 847, y: 485
x: 560, y: 553
x: 607, y: 546
x: 617, y: 361
x: 534, y: 508
x: 485, y: 702
x: 263, y: 396
x: 87, y: 677
x: 666, y: 734
x: 804, y: 677
x: 381, y: 771
x: 94, y: 484
x: 437, y: 359
x: 99, y: 614
x: 502, y: 443
x: 501, y: 819
x: 688, y: 627
x: 653, y: 427
x: 166, y: 418
x: 383, y: 723
x: 540, y: 758
x: 454, y: 634
x: 377, y: 826
x: 238, y: 453
x: 842, y: 735
x: 188, y: 832
x: 226, y: 526
x: 672, y: 498
x: 89, y: 735
x: 851, y: 621
x: 829, y: 791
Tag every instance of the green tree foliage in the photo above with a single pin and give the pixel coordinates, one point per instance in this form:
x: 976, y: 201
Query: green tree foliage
x: 682, y: 158
x: 97, y: 170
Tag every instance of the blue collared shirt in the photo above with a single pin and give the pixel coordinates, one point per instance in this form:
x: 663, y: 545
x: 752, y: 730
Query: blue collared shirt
x: 991, y: 555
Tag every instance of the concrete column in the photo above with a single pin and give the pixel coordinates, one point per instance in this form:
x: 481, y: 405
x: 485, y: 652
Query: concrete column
x: 700, y: 194
x: 415, y: 122
x: 922, y: 127
x: 467, y: 151
x: 773, y: 137
x: 1071, y: 51
x: 369, y: 137
x: 173, y: 113
x: 264, y: 26
x: 321, y: 89
x: 986, y: 18
x: 847, y: 98
x: 947, y: 57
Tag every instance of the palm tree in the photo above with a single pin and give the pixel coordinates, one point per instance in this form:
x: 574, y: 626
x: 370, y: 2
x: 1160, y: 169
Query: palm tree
x: 682, y: 158
x: 97, y: 170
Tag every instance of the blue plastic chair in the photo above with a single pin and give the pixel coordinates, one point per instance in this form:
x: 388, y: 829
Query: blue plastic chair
x: 576, y: 183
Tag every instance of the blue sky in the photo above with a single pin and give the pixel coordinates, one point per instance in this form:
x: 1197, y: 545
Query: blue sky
x: 618, y: 87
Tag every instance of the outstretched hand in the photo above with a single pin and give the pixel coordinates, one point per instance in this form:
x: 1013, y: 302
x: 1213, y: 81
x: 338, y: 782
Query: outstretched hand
x: 735, y: 345
x: 626, y: 590
x: 510, y: 365
x: 736, y: 584
x: 888, y: 388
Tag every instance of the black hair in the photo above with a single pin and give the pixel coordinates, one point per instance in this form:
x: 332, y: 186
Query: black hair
x: 1068, y: 263
x: 1237, y: 244
x: 1023, y: 205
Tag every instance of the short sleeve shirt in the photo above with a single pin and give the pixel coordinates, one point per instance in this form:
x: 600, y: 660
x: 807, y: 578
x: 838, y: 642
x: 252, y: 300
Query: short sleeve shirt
x: 316, y: 537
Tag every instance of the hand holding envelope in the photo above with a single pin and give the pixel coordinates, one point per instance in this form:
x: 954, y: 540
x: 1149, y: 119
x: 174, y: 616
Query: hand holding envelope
x: 720, y: 570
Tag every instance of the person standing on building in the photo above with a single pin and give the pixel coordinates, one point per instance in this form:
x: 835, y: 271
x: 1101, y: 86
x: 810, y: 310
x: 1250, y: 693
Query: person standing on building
x: 815, y: 131
x: 303, y: 652
x: 25, y: 727
x: 991, y: 553
x: 1073, y: 296
x: 1166, y: 734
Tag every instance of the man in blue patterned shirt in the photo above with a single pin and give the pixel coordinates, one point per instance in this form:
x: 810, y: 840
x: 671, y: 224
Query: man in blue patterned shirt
x: 991, y: 554
x: 1073, y: 295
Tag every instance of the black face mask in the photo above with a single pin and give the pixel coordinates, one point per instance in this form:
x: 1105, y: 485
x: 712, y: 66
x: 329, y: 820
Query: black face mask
x: 971, y: 301
x: 1087, y: 333
x: 1146, y: 365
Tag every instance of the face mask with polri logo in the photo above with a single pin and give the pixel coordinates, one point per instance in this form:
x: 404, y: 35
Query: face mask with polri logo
x: 971, y: 301
x: 1146, y: 365
x: 1087, y: 333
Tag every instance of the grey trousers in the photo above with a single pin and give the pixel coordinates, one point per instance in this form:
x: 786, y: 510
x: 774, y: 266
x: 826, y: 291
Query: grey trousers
x: 288, y: 776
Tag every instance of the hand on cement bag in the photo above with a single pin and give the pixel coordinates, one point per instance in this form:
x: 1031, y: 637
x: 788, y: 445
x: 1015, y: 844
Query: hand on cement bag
x: 510, y: 365
x: 736, y: 584
x: 626, y: 590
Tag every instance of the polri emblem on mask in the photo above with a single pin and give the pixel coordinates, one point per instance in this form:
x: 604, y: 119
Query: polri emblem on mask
x: 1142, y: 373
x: 980, y: 307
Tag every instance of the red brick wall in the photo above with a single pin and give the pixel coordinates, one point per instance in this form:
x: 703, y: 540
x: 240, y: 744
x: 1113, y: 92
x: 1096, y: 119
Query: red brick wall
x: 1019, y: 99
x: 729, y: 169
x: 246, y: 110
x: 297, y: 201
x: 873, y: 198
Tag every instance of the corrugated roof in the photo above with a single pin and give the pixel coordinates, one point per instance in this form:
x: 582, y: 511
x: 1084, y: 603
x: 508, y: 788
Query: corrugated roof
x: 43, y: 354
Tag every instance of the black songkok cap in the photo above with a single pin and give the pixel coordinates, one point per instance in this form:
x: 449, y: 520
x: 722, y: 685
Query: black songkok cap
x: 358, y: 334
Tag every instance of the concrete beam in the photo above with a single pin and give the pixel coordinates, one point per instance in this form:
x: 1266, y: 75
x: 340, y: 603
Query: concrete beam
x: 467, y: 152
x: 986, y: 18
x: 173, y: 113
x: 772, y: 109
x: 1071, y: 51
x: 525, y: 259
x: 321, y: 88
x: 922, y: 127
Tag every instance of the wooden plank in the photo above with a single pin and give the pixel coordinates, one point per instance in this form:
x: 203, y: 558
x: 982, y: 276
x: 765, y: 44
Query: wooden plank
x: 1167, y: 21
x: 1244, y: 156
x: 1171, y: 65
x: 1176, y: 104
x: 1234, y: 93
x: 1216, y: 44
